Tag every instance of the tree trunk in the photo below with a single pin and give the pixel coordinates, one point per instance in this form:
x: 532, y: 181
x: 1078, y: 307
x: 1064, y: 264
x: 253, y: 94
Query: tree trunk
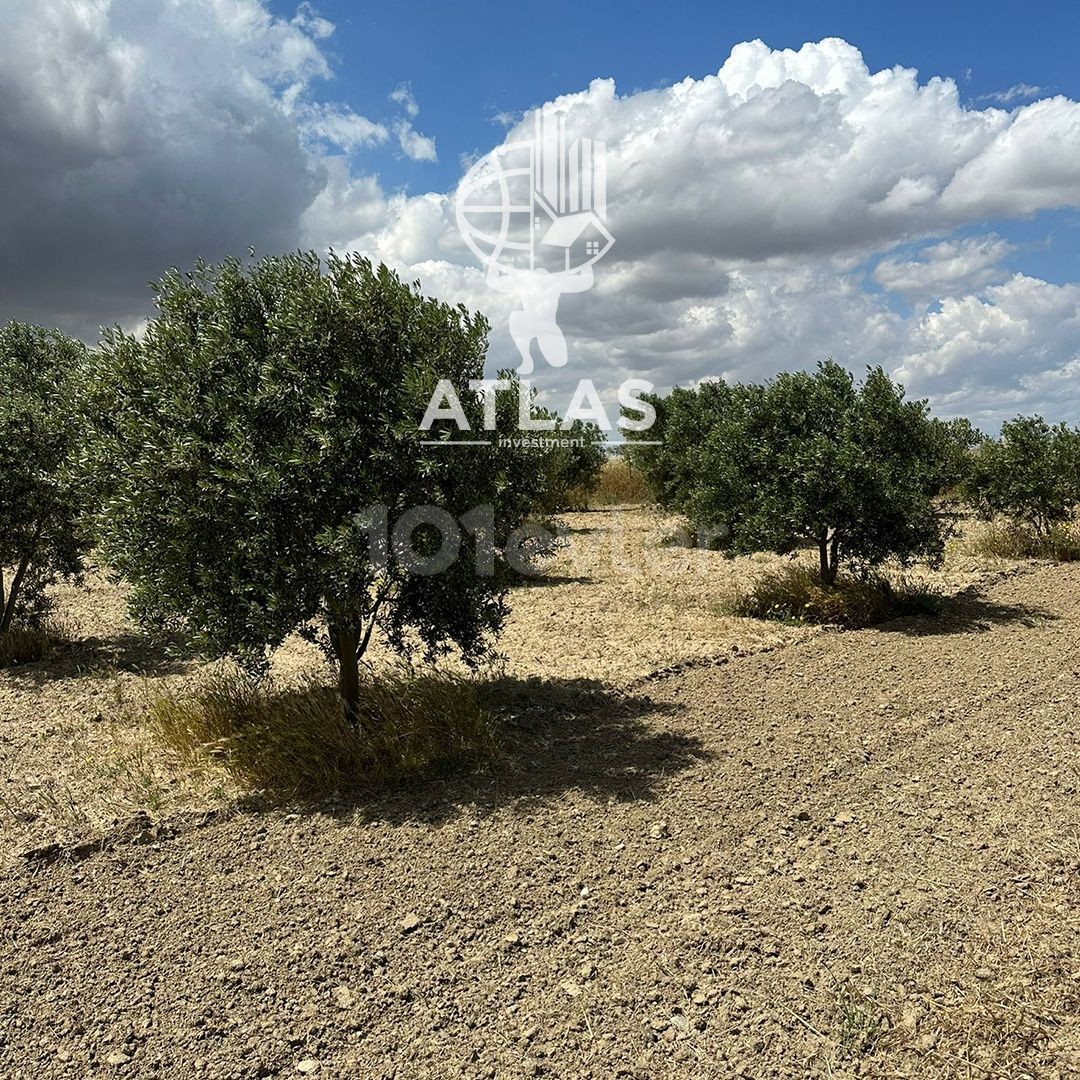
x: 13, y: 594
x: 834, y: 557
x: 346, y: 643
x: 828, y: 571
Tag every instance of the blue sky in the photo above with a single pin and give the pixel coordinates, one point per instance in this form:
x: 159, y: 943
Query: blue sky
x: 468, y: 63
x: 884, y: 184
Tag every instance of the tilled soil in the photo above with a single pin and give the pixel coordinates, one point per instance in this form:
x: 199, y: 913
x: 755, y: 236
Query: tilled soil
x: 858, y: 854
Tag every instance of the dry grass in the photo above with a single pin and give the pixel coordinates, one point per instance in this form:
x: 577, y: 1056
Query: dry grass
x: 621, y: 601
x: 32, y: 644
x: 296, y: 741
x: 76, y: 754
x: 619, y: 484
x: 795, y: 594
x: 946, y: 907
x: 1009, y: 540
x: 1013, y: 1011
x: 94, y: 771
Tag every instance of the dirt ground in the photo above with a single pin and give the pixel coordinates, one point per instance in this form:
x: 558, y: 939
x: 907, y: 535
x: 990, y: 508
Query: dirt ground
x: 806, y: 855
x: 617, y: 605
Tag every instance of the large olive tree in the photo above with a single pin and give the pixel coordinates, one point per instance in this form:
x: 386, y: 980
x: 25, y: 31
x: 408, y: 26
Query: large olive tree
x: 262, y: 468
x: 807, y: 459
x: 40, y: 497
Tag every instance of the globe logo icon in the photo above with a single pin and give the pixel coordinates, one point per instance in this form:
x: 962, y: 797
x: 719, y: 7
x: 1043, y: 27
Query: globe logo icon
x: 534, y: 214
x: 538, y: 204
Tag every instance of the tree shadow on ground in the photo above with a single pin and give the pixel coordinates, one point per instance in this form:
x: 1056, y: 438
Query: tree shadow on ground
x: 970, y: 611
x: 584, y: 530
x: 128, y: 652
x: 558, y: 735
x: 542, y: 580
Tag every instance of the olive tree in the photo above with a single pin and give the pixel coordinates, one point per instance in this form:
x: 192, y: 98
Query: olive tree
x: 40, y: 497
x: 1031, y: 474
x: 572, y: 464
x: 263, y: 470
x: 958, y: 446
x: 806, y: 459
x: 668, y: 458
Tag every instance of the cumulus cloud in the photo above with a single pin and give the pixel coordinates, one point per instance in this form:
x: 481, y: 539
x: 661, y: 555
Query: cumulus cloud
x: 142, y: 136
x: 1030, y: 164
x: 341, y: 127
x: 809, y: 153
x: 745, y: 204
x: 950, y: 268
x: 311, y: 22
x: 413, y: 144
x: 1015, y: 348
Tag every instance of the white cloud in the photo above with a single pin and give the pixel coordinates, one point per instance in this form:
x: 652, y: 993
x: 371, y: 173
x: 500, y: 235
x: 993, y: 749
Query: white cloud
x: 413, y: 144
x: 403, y: 95
x: 744, y: 203
x: 142, y: 136
x: 808, y: 153
x: 1031, y: 163
x: 1020, y: 92
x: 1017, y: 348
x: 950, y: 268
x: 308, y: 20
x: 341, y: 127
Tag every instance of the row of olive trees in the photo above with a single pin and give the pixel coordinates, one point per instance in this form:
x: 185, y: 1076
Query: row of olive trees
x: 855, y: 471
x: 1030, y: 475
x: 244, y: 462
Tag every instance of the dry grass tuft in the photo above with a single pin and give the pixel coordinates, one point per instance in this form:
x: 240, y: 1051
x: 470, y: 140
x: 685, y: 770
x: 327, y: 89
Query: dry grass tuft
x: 795, y: 594
x: 1008, y: 540
x: 859, y: 1021
x: 296, y: 741
x: 620, y: 484
x: 31, y: 644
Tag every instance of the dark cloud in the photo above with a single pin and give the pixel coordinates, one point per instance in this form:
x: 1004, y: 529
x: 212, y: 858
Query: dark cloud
x: 136, y: 137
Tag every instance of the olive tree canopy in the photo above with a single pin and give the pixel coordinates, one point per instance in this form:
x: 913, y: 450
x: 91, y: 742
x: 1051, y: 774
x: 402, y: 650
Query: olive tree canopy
x: 258, y: 443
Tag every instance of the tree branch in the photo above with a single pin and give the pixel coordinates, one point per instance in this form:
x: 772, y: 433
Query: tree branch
x: 379, y: 598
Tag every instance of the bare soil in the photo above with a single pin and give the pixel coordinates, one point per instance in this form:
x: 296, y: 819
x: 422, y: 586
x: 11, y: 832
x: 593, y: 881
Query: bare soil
x: 853, y: 854
x: 617, y: 605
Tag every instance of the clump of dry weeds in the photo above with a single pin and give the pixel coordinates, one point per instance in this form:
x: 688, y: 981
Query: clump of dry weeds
x: 31, y: 644
x: 296, y: 741
x: 1009, y: 540
x: 795, y: 594
x: 619, y: 484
